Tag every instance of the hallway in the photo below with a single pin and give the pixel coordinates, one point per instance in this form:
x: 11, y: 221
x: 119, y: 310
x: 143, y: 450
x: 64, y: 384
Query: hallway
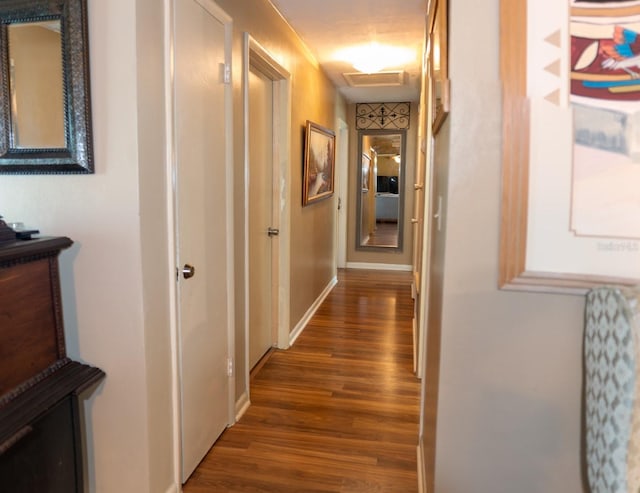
x: 337, y: 412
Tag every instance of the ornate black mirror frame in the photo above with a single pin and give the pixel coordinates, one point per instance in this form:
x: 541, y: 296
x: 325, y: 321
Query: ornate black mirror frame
x: 77, y: 154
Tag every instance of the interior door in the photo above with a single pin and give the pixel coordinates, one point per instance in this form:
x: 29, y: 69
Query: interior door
x: 261, y: 217
x: 201, y: 207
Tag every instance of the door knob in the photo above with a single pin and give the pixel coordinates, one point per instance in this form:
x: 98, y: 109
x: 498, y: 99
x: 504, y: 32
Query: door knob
x: 273, y: 231
x: 188, y: 271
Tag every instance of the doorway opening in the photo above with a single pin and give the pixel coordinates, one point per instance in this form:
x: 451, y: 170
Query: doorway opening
x: 267, y: 150
x: 342, y: 175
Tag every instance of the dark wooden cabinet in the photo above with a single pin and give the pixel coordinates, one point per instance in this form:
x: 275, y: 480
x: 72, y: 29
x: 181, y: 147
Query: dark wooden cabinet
x: 40, y: 435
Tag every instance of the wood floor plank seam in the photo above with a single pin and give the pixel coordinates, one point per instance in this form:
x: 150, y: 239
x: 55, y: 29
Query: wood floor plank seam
x: 338, y: 411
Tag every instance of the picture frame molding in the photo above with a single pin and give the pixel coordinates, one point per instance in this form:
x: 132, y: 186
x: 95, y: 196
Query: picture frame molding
x: 307, y: 197
x: 438, y: 62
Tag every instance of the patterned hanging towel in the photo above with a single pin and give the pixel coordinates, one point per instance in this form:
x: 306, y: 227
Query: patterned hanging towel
x: 612, y: 390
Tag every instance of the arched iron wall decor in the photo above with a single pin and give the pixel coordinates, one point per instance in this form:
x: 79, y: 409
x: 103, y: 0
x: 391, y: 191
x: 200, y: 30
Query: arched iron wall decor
x: 383, y: 116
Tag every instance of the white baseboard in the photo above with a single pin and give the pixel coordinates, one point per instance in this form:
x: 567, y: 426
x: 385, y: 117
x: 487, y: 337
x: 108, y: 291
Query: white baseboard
x: 297, y: 330
x: 242, y: 404
x: 365, y: 265
x: 174, y: 488
x: 422, y: 485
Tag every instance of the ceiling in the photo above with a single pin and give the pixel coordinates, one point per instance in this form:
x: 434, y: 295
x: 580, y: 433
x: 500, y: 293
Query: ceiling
x: 327, y: 26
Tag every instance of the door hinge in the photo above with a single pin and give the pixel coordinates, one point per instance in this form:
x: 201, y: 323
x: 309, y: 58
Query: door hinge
x: 227, y: 73
x: 229, y: 367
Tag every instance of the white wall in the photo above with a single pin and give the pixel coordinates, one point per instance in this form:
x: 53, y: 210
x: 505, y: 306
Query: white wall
x: 113, y: 315
x: 509, y: 410
x: 157, y: 277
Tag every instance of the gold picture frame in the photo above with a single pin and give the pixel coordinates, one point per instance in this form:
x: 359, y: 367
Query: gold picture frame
x: 319, y: 163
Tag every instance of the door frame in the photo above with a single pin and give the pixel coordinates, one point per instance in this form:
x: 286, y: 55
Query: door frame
x: 172, y: 218
x: 254, y: 54
x: 342, y: 163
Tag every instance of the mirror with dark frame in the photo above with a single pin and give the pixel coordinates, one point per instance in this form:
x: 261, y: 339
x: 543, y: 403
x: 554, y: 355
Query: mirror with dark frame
x: 45, y: 114
x: 380, y: 179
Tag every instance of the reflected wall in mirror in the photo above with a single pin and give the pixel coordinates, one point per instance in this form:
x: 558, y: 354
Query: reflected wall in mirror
x: 380, y: 203
x: 37, y: 105
x: 45, y: 117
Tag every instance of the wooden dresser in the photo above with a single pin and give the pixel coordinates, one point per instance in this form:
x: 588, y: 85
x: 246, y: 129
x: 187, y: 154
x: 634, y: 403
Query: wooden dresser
x: 40, y: 434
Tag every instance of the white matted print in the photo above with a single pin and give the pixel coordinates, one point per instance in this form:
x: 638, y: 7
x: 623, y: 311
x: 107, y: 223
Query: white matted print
x: 605, y: 95
x: 584, y: 179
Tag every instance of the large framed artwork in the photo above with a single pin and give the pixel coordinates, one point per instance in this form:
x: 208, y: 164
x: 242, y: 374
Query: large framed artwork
x: 319, y: 163
x: 438, y: 61
x: 571, y: 144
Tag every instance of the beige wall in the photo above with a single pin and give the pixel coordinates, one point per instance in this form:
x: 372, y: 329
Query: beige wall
x: 313, y: 227
x: 509, y: 407
x: 404, y: 257
x: 387, y: 166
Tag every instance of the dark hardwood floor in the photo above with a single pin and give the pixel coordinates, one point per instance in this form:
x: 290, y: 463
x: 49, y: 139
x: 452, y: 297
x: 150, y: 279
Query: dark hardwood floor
x: 338, y: 411
x: 385, y: 235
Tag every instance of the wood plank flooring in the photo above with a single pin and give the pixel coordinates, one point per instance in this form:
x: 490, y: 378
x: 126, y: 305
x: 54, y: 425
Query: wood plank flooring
x: 338, y: 411
x: 385, y: 235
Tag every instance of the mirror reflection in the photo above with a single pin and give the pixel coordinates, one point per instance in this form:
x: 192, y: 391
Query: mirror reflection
x: 36, y: 85
x: 380, y: 204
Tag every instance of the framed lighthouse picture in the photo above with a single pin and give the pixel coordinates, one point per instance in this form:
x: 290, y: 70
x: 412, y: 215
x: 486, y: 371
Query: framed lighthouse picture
x: 319, y: 163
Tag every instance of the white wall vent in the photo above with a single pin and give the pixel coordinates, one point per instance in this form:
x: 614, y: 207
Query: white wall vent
x: 389, y: 78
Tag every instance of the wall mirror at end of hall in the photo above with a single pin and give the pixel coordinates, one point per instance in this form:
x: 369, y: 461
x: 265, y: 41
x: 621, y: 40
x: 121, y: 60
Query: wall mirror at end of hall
x: 45, y: 110
x: 380, y: 189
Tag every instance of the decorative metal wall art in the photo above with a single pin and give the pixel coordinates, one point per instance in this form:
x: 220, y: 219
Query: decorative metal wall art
x: 383, y: 116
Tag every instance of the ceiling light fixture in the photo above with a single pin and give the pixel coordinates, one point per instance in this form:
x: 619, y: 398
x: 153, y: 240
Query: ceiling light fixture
x: 374, y: 57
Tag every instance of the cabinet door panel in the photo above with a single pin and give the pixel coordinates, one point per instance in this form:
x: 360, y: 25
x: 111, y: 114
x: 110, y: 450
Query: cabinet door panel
x: 27, y: 322
x: 44, y: 460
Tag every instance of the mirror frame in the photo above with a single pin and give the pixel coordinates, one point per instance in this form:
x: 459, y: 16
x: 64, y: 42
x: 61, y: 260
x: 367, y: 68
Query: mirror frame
x: 401, y: 191
x: 77, y: 156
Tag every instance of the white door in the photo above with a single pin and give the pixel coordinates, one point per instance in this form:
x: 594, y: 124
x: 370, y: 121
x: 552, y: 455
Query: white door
x: 201, y: 206
x: 261, y: 218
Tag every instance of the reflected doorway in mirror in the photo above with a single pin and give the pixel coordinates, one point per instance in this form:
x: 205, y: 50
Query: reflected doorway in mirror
x: 36, y: 85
